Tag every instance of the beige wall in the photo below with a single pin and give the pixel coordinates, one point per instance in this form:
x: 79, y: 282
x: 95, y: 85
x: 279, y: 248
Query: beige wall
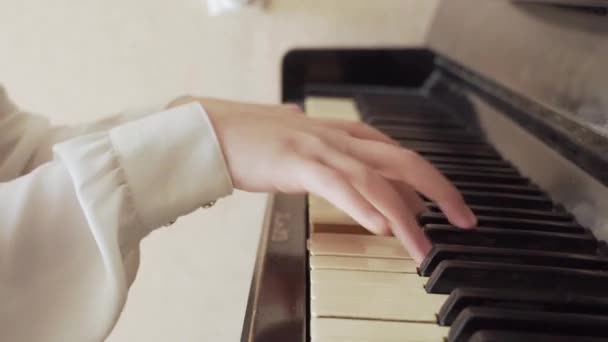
x: 76, y: 60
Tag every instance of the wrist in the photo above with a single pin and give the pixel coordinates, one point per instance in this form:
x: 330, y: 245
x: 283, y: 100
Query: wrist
x: 182, y: 100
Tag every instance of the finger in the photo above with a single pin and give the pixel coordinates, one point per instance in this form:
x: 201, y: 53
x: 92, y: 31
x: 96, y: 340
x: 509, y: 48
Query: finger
x: 397, y: 163
x: 410, y: 197
x: 380, y: 194
x: 292, y: 107
x: 357, y: 129
x: 421, y: 175
x: 320, y: 180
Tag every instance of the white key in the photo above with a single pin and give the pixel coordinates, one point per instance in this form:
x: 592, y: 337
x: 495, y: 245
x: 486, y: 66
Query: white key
x: 332, y: 108
x: 405, y: 280
x: 319, y: 262
x: 323, y: 212
x: 356, y: 245
x: 325, y: 218
x: 373, y: 301
x: 334, y: 329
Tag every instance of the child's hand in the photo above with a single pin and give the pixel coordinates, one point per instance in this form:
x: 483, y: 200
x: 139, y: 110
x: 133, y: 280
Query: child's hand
x: 352, y: 165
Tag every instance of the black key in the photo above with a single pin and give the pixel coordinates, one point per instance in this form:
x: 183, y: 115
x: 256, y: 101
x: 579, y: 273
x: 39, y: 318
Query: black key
x: 435, y: 131
x: 504, y: 200
x: 408, y: 121
x: 440, y: 252
x: 449, y: 148
x: 452, y: 274
x: 476, y: 168
x: 510, y: 336
x: 428, y: 154
x: 502, y: 188
x: 398, y: 104
x: 530, y: 300
x: 453, y: 145
x: 467, y: 161
x: 508, y: 222
x: 512, y: 238
x: 475, y: 319
x: 480, y: 177
x: 507, y: 200
x: 420, y: 113
x: 412, y: 107
x: 435, y: 150
x: 513, y: 212
x: 430, y: 135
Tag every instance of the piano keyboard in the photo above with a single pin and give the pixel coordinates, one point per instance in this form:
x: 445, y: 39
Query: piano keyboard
x: 528, y: 272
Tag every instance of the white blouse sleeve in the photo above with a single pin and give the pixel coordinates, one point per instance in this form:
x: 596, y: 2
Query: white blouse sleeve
x: 70, y: 225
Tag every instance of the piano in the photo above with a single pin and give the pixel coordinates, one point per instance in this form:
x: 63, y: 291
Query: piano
x: 509, y: 99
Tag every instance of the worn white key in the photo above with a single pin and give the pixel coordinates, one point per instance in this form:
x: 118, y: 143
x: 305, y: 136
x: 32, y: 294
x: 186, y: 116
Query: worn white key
x: 325, y: 218
x: 370, y: 246
x: 321, y: 211
x: 332, y: 108
x: 328, y: 329
x: 319, y: 262
x: 373, y: 301
x: 357, y: 277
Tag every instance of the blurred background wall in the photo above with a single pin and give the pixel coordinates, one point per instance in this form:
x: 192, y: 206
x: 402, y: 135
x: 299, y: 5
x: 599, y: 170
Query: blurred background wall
x: 78, y: 60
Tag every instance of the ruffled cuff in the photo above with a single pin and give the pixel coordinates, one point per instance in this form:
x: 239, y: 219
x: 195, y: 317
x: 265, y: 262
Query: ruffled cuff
x: 149, y: 171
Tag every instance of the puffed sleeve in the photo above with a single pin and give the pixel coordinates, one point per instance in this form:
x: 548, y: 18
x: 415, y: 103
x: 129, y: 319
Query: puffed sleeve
x: 70, y: 226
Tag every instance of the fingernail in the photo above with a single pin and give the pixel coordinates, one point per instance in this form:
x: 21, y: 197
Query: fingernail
x: 421, y: 251
x: 469, y: 220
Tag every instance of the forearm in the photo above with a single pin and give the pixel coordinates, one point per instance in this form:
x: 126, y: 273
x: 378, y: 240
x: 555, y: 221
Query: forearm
x: 71, y: 228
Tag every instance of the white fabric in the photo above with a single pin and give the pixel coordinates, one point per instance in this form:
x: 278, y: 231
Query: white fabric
x: 76, y: 202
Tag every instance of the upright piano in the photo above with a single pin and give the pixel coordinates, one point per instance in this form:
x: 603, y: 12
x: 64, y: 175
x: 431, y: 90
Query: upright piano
x: 509, y: 100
